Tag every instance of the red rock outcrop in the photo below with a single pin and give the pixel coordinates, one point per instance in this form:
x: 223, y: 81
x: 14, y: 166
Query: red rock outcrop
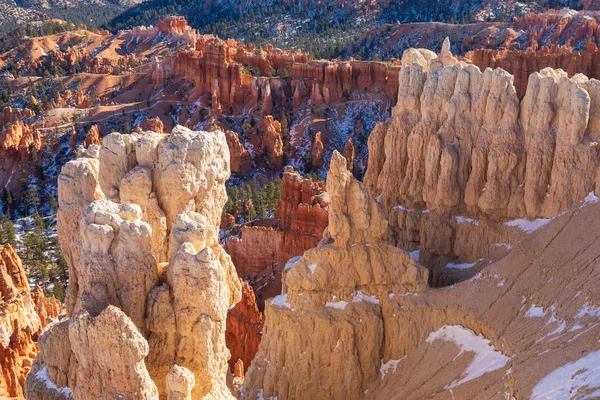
x: 239, y: 156
x: 223, y: 70
x: 23, y: 315
x: 153, y: 124
x: 349, y: 152
x: 173, y: 24
x: 93, y: 137
x: 303, y: 204
x: 20, y: 139
x: 11, y: 114
x: 317, y: 151
x: 522, y: 63
x: 244, y: 330
x: 271, y: 141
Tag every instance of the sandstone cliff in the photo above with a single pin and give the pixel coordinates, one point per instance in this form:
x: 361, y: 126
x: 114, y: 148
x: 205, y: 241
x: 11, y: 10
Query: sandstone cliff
x: 461, y: 158
x: 145, y: 264
x: 23, y: 316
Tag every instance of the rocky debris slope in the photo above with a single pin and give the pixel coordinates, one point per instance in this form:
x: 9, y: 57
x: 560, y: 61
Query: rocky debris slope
x: 526, y: 326
x: 150, y: 285
x: 23, y: 316
x: 462, y: 165
x: 331, y: 318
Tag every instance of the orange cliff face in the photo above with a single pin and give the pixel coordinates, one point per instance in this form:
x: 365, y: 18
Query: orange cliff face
x: 522, y: 63
x: 301, y: 218
x: 244, y: 329
x: 23, y: 315
x: 234, y: 75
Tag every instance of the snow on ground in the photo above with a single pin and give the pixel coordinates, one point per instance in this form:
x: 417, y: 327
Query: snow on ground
x: 43, y: 375
x: 415, y: 254
x: 535, y: 312
x: 528, y: 226
x: 452, y: 265
x: 579, y: 379
x: 388, y: 367
x: 361, y: 297
x: 461, y: 220
x: 291, y: 262
x: 486, y: 359
x: 281, y: 301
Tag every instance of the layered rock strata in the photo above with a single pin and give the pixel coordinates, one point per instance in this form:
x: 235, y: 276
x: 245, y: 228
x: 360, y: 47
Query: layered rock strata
x: 461, y: 161
x: 150, y: 284
x: 23, y: 316
x: 218, y: 69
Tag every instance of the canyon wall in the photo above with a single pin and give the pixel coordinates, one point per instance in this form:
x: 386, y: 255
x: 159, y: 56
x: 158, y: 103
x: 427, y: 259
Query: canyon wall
x: 461, y: 157
x: 23, y: 316
x: 522, y: 63
x: 138, y: 225
x: 235, y: 75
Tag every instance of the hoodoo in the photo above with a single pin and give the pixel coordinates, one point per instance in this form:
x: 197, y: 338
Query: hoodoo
x: 139, y: 226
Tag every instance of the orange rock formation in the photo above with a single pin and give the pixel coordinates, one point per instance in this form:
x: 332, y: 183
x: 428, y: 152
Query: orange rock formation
x: 244, y: 330
x: 23, y: 315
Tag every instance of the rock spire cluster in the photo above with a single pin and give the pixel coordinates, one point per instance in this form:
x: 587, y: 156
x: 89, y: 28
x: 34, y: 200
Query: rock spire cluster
x: 150, y: 285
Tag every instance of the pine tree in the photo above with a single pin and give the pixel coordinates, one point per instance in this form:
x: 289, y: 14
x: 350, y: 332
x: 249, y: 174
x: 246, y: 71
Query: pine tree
x: 32, y: 199
x: 9, y: 231
x: 53, y: 205
x: 7, y: 201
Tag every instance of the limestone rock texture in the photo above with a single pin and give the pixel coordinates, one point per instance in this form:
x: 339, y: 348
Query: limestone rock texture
x: 23, y: 316
x: 331, y: 318
x: 150, y: 285
x: 461, y: 157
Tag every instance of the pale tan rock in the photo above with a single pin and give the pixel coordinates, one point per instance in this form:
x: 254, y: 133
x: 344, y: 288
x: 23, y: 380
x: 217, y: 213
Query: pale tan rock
x: 110, y: 353
x: 136, y: 188
x: 77, y: 188
x: 180, y: 382
x: 459, y: 143
x: 150, y: 266
x: 117, y: 155
x: 333, y: 298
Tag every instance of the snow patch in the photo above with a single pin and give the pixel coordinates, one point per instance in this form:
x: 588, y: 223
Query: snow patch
x: 312, y: 268
x: 360, y: 297
x: 415, y: 254
x: 42, y: 375
x: 535, y: 312
x: 460, y: 219
x: 528, y: 226
x: 388, y: 367
x: 281, y: 301
x: 486, y: 359
x: 452, y: 265
x: 588, y: 310
x: 578, y: 379
x: 291, y: 262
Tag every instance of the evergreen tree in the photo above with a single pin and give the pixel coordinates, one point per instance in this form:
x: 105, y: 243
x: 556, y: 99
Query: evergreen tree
x: 32, y: 199
x: 9, y: 231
